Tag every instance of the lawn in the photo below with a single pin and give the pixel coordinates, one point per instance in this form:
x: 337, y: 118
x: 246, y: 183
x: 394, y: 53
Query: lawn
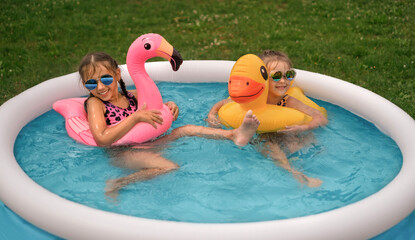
x: 368, y: 43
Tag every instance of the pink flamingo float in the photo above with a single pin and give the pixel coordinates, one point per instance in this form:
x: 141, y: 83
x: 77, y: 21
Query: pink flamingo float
x: 143, y: 48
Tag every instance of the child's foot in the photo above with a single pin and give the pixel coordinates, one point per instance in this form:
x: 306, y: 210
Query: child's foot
x: 247, y: 129
x: 314, y: 182
x: 111, y: 189
x: 310, y: 182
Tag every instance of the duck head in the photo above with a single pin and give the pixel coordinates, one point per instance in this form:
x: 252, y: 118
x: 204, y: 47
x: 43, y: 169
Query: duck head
x: 248, y: 82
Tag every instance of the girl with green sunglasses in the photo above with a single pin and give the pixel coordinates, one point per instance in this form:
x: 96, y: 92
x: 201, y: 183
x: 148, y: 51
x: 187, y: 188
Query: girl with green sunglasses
x: 291, y: 139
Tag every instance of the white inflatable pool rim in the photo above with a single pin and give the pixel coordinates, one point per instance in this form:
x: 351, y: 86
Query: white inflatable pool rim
x: 361, y: 220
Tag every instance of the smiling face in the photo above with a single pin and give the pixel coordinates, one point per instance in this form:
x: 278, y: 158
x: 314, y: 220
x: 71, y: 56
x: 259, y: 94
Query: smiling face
x: 102, y: 91
x: 279, y: 88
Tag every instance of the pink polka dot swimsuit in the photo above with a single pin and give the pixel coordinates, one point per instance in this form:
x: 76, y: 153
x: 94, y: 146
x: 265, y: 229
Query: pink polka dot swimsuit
x: 113, y: 115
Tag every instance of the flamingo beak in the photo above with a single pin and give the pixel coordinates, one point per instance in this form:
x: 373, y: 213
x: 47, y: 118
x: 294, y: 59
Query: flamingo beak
x: 176, y: 60
x: 167, y: 51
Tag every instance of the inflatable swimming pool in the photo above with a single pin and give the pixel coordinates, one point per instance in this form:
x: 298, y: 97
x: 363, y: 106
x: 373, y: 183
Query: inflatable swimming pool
x: 361, y: 220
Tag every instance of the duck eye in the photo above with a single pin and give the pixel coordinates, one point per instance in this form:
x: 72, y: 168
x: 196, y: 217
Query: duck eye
x: 147, y: 46
x: 264, y: 73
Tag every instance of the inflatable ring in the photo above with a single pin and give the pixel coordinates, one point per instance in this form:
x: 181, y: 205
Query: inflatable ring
x: 248, y: 88
x: 143, y: 48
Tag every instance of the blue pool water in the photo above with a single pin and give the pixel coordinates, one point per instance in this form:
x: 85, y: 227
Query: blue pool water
x: 217, y: 182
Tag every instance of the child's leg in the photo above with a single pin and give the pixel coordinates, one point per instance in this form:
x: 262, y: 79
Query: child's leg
x: 274, y: 151
x: 240, y: 136
x: 295, y: 142
x: 148, y: 165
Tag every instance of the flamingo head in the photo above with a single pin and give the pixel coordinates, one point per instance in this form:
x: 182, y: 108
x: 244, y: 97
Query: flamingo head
x: 153, y: 45
x: 248, y: 81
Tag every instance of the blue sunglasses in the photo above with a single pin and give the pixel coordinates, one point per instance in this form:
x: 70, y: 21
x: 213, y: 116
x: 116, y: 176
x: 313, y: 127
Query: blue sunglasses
x: 289, y: 75
x: 106, y: 79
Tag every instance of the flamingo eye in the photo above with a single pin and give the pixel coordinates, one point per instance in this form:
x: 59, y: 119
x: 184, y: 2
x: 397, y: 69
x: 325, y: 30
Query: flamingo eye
x: 264, y: 73
x: 147, y: 46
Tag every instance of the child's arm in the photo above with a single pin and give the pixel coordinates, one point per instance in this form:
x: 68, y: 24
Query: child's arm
x: 105, y: 136
x: 172, y: 105
x: 213, y: 113
x: 318, y: 119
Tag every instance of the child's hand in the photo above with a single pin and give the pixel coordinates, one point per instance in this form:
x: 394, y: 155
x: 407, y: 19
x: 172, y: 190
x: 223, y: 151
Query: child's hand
x: 174, y: 109
x: 148, y: 116
x: 213, y: 121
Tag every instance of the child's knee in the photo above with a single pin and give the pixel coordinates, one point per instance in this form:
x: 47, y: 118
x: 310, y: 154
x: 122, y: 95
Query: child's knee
x: 171, y: 167
x: 187, y: 130
x: 180, y: 131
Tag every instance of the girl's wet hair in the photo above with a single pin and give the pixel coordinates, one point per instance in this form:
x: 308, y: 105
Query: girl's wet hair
x: 90, y: 63
x: 269, y: 56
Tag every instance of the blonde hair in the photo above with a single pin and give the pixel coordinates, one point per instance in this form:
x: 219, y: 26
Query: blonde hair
x: 270, y: 56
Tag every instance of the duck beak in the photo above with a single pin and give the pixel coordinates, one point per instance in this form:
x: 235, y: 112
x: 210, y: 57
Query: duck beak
x: 243, y: 89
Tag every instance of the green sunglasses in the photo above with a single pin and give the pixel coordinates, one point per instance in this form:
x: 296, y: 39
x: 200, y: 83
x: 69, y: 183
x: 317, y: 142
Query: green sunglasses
x: 289, y: 75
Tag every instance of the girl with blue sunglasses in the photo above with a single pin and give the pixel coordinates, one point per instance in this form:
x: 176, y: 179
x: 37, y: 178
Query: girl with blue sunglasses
x: 106, y: 106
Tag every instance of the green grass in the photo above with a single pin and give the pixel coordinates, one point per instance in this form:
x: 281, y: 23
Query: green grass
x: 368, y: 43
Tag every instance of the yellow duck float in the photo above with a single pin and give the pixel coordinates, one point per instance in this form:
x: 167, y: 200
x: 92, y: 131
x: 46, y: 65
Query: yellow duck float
x: 248, y: 88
